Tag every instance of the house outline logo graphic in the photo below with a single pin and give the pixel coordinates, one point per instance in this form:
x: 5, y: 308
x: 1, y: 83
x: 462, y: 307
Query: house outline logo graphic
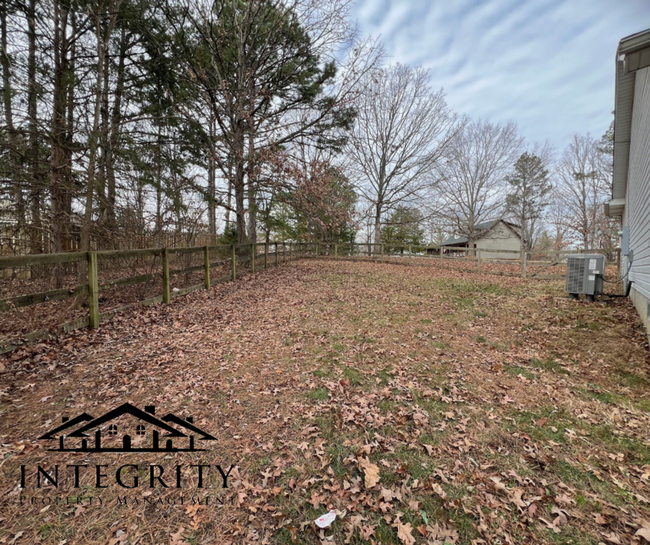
x: 81, y: 436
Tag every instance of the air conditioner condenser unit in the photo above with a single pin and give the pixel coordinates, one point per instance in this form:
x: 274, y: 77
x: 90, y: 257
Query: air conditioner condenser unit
x: 584, y: 275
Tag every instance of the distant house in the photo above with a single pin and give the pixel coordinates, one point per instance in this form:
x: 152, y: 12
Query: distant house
x: 631, y: 184
x: 497, y: 239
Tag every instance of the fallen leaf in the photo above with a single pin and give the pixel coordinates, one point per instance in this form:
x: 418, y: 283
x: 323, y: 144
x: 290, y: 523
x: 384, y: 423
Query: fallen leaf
x: 370, y: 472
x: 404, y: 533
x: 644, y: 533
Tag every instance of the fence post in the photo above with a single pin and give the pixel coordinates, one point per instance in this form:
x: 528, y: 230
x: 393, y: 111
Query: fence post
x: 266, y: 254
x: 284, y: 252
x: 233, y: 261
x: 410, y: 254
x: 478, y: 261
x: 523, y: 264
x: 206, y: 266
x: 276, y: 254
x: 252, y: 258
x: 165, y: 260
x: 290, y: 250
x: 317, y: 249
x: 93, y: 291
x: 381, y: 253
x: 336, y: 251
x: 442, y: 256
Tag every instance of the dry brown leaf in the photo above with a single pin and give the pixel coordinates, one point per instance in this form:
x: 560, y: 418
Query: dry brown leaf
x: 177, y: 538
x: 16, y: 537
x: 370, y: 472
x: 404, y: 532
x: 644, y: 533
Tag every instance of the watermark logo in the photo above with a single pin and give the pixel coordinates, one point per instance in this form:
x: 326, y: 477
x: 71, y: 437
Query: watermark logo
x: 127, y: 429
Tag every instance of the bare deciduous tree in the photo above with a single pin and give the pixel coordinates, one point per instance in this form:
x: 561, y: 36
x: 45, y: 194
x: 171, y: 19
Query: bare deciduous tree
x: 470, y: 180
x: 401, y: 131
x: 582, y: 188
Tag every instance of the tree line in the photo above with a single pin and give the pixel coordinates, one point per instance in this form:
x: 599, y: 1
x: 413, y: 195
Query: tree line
x: 127, y: 120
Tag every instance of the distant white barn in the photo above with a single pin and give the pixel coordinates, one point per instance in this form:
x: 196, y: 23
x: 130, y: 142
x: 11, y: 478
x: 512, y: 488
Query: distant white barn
x: 497, y: 239
x: 631, y: 186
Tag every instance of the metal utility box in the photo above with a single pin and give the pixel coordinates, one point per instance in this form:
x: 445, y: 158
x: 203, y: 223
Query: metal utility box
x: 584, y: 274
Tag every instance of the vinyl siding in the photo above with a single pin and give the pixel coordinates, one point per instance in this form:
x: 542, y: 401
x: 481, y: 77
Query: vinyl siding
x: 637, y: 209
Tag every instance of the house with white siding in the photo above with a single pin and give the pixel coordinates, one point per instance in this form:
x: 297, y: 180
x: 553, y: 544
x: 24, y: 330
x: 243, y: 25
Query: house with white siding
x: 631, y: 184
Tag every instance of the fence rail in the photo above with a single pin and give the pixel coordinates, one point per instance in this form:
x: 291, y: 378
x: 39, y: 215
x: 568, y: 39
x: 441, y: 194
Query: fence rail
x: 92, y: 277
x: 524, y: 264
x: 232, y: 261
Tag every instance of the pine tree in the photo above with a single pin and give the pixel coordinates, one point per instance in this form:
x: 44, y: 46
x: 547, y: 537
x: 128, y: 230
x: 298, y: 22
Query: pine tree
x: 403, y: 228
x: 526, y: 202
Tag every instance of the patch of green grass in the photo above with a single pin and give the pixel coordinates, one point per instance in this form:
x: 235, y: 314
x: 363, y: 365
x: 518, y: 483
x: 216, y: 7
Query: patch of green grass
x: 426, y: 321
x: 570, y: 535
x: 585, y: 481
x: 516, y: 371
x: 416, y: 462
x: 634, y: 449
x: 464, y: 302
x: 595, y: 392
x: 481, y: 339
x: 480, y: 314
x: 337, y: 454
x: 438, y: 344
x: 385, y: 375
x: 591, y: 326
x: 44, y: 531
x: 631, y: 379
x: 433, y: 407
x: 529, y: 422
x: 464, y: 525
x: 327, y: 425
x: 386, y: 405
x: 353, y: 375
x: 548, y: 364
x: 322, y: 372
x: 385, y: 533
x: 318, y: 394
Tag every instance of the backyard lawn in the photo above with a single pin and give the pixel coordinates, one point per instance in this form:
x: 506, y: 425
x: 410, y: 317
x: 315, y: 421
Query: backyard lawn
x: 423, y: 405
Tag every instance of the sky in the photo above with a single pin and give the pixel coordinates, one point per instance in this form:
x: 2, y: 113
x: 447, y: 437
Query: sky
x: 547, y: 64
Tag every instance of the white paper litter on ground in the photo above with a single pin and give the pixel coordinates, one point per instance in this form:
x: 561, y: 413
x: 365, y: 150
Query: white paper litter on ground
x: 325, y: 520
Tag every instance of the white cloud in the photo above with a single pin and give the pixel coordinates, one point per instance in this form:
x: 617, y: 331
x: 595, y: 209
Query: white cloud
x: 547, y: 64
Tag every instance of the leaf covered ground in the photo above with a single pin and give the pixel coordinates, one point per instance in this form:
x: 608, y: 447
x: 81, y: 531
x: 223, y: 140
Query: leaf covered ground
x: 423, y: 405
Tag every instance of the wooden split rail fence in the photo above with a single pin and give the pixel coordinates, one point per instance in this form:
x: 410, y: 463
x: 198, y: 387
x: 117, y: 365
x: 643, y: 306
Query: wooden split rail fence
x: 526, y: 264
x: 89, y: 273
x: 237, y: 259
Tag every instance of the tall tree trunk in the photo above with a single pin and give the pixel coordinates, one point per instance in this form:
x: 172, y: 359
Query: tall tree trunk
x: 239, y: 188
x: 229, y: 207
x: 116, y: 120
x: 93, y: 142
x: 239, y: 184
x: 36, y: 184
x: 252, y: 193
x: 59, y: 155
x: 377, y: 232
x: 159, y: 183
x: 103, y: 132
x: 14, y: 161
x: 212, y: 220
x: 69, y: 239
